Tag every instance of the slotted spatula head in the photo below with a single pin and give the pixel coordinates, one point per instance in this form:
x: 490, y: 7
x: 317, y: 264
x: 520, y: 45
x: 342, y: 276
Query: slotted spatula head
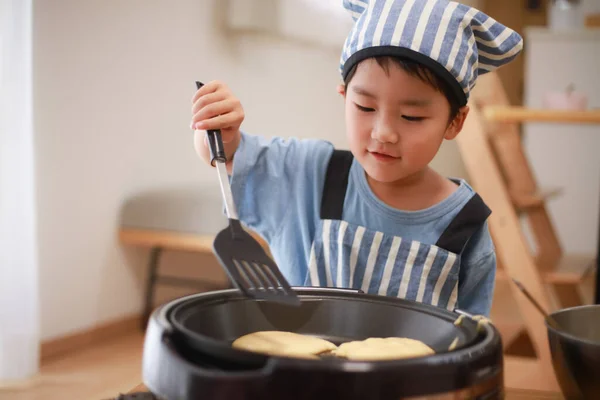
x: 250, y: 267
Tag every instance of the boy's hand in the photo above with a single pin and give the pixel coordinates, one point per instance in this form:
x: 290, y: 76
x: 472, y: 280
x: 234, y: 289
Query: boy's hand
x: 215, y: 107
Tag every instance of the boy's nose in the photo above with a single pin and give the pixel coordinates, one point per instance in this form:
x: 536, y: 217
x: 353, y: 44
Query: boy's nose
x: 384, y: 133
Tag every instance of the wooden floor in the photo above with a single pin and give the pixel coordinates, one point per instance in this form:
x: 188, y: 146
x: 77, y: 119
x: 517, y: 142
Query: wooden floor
x: 97, y: 373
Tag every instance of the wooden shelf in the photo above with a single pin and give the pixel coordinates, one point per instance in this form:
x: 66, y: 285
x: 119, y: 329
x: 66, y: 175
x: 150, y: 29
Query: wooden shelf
x: 523, y: 114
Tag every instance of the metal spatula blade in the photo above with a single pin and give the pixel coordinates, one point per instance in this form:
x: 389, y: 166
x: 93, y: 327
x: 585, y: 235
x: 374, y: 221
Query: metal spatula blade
x: 247, y: 264
x: 249, y: 267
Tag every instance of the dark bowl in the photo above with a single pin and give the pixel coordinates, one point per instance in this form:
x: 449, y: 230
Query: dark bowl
x: 575, y: 350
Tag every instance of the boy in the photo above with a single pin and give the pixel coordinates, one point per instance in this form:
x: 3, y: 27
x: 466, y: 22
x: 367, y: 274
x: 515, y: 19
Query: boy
x: 378, y: 218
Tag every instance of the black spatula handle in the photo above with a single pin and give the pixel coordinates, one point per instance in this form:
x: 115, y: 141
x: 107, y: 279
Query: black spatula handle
x: 215, y: 143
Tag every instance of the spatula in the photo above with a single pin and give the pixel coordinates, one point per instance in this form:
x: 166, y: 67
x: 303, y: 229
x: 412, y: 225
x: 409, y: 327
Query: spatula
x: 551, y: 321
x: 247, y: 264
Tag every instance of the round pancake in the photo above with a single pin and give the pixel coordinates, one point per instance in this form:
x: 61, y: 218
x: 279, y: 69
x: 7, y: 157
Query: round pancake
x: 374, y: 349
x: 286, y: 344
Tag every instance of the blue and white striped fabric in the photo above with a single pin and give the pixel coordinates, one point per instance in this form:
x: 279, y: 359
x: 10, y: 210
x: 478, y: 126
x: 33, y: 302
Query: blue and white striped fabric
x: 457, y: 41
x: 344, y: 255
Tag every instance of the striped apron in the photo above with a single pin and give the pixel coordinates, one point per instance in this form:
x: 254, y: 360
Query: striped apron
x: 344, y: 255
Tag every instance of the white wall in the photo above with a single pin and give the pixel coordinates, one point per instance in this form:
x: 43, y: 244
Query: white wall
x: 590, y: 6
x: 113, y: 83
x: 566, y: 155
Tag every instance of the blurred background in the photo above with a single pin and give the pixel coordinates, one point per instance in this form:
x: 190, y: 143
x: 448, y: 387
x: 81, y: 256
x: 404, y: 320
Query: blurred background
x: 97, y: 165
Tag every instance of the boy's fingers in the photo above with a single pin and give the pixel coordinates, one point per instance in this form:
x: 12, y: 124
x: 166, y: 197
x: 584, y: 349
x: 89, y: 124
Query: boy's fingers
x: 210, y: 87
x: 208, y: 99
x: 220, y: 121
x: 214, y: 109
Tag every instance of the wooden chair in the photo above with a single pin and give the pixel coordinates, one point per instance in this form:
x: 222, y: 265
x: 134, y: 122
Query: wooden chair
x: 491, y: 148
x: 563, y: 273
x: 158, y: 241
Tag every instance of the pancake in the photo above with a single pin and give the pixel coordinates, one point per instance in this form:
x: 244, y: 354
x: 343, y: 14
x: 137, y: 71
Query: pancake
x: 285, y: 344
x: 375, y: 349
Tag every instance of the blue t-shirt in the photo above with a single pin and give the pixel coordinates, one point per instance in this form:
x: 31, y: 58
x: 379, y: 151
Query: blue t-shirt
x: 277, y: 185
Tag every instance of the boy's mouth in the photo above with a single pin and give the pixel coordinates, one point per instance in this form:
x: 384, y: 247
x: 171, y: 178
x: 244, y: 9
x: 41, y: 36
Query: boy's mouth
x: 382, y: 156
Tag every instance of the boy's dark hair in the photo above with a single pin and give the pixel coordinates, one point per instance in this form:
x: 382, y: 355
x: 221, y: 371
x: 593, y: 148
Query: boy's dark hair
x: 417, y: 70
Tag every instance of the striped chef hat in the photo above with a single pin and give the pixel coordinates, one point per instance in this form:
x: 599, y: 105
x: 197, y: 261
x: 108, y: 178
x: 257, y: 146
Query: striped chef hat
x: 456, y: 41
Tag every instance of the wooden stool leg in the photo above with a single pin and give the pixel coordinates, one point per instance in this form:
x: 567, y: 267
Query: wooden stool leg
x: 567, y: 295
x: 150, y: 284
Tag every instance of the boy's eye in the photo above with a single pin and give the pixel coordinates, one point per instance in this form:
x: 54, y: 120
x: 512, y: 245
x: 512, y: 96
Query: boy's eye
x: 413, y: 119
x: 364, y: 109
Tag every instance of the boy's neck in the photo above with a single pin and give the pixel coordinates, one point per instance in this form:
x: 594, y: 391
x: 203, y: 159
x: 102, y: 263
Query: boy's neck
x: 419, y: 191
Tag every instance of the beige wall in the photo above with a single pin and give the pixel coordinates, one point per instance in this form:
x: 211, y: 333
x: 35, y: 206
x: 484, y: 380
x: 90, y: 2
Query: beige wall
x: 112, y: 87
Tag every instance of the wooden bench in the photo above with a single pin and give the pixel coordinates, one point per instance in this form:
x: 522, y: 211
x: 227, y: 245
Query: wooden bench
x: 159, y: 241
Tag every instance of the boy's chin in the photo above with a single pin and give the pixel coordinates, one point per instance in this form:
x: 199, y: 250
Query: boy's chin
x: 384, y: 176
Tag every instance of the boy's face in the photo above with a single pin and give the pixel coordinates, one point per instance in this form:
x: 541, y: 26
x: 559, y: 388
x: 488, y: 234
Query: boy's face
x: 395, y: 122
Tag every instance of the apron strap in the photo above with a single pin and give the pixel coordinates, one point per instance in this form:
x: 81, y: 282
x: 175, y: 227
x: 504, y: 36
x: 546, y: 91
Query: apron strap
x: 336, y: 183
x: 454, y: 239
x: 464, y: 225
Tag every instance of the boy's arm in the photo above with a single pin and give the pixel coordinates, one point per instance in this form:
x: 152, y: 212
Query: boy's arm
x: 271, y: 179
x: 477, y: 275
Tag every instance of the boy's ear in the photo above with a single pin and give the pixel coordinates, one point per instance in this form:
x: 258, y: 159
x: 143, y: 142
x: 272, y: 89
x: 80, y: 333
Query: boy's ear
x: 457, y: 124
x: 341, y: 89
